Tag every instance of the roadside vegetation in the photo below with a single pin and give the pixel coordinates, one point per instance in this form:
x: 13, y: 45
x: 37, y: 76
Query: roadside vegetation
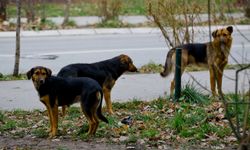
x: 150, y: 67
x: 195, y: 121
x: 38, y: 13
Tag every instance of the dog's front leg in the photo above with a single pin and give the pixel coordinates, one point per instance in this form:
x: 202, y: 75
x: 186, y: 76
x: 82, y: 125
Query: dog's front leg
x: 54, y: 120
x: 45, y: 101
x: 219, y: 80
x: 212, y: 80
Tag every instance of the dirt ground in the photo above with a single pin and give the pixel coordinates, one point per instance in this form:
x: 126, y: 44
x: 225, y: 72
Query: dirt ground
x: 7, y: 143
x: 28, y: 143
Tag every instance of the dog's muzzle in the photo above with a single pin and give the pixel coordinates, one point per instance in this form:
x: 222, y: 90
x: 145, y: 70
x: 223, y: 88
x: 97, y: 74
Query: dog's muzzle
x: 41, y: 81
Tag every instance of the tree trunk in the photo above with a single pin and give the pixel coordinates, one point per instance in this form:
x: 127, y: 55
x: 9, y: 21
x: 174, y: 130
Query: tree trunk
x: 3, y: 13
x: 18, y: 26
x: 30, y: 10
x: 43, y: 10
x: 247, y: 9
x: 66, y: 13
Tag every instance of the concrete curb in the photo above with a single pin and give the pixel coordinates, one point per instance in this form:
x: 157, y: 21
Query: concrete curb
x: 101, y: 31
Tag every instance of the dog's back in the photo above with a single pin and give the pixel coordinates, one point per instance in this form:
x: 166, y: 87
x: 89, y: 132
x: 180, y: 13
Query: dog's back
x: 67, y: 91
x: 196, y: 53
x: 112, y: 68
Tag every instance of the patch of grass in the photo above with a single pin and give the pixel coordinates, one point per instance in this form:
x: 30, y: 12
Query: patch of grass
x: 149, y: 133
x: 70, y: 23
x: 8, y: 125
x: 192, y: 95
x: 2, y: 117
x: 151, y: 67
x: 155, y: 122
x: 236, y: 66
x: 73, y: 112
x: 110, y: 24
x: 129, y: 105
x: 20, y: 113
x: 11, y: 77
x: 134, y: 7
x: 177, y: 122
x: 62, y: 148
x: 40, y: 132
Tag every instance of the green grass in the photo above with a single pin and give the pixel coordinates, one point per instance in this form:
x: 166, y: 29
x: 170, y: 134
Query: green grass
x: 151, y: 67
x: 152, y: 121
x: 192, y: 95
x: 88, y: 8
x: 11, y: 77
x: 130, y: 7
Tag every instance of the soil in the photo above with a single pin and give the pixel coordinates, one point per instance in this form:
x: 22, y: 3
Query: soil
x: 27, y: 143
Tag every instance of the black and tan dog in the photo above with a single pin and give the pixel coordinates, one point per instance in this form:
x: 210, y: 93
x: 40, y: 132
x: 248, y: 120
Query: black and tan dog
x: 212, y: 54
x: 104, y: 72
x: 56, y: 91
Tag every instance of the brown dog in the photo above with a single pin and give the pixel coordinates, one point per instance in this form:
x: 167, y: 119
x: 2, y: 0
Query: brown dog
x: 212, y: 54
x: 56, y: 91
x: 104, y: 72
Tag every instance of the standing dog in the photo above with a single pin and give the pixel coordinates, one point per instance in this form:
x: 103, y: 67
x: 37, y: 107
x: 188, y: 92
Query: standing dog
x: 213, y: 54
x: 57, y: 91
x: 104, y: 72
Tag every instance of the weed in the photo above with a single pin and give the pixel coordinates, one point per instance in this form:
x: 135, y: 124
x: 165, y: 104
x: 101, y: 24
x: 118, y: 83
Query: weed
x: 40, y: 132
x: 70, y: 23
x: 2, y: 117
x: 110, y: 24
x: 192, y: 95
x: 11, y: 77
x: 149, y: 133
x: 151, y: 122
x: 62, y: 148
x: 177, y: 122
x: 151, y: 67
x: 132, y: 139
x: 9, y: 125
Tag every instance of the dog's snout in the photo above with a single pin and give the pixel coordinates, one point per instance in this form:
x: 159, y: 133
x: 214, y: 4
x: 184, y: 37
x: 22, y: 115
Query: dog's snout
x: 41, y: 81
x: 133, y: 68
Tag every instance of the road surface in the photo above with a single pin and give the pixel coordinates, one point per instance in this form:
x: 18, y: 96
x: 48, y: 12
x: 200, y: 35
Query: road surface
x: 56, y: 49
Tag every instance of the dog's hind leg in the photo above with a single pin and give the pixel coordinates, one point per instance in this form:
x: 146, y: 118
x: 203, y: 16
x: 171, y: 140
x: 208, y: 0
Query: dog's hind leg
x: 96, y: 121
x: 64, y: 108
x: 107, y: 96
x: 88, y: 114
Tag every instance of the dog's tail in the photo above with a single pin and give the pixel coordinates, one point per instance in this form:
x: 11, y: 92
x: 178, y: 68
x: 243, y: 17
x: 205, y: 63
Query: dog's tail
x: 168, y: 63
x: 99, y: 96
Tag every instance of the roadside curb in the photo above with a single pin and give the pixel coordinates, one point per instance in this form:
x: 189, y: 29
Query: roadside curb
x: 71, y: 32
x: 101, y: 31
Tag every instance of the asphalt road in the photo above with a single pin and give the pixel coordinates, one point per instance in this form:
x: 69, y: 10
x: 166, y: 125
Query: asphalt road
x: 22, y: 94
x: 56, y: 49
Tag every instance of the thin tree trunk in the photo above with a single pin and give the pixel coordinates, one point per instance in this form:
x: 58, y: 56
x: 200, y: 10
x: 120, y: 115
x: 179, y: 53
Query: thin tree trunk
x: 30, y: 11
x: 18, y: 26
x: 66, y: 14
x: 3, y: 13
x: 247, y: 9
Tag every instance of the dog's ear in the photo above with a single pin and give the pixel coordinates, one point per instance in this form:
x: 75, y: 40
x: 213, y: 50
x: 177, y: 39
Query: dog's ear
x: 214, y: 33
x: 49, y: 72
x: 230, y: 29
x: 30, y: 73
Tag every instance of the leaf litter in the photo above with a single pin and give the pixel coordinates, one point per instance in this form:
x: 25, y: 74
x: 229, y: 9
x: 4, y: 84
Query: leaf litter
x: 158, y: 124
